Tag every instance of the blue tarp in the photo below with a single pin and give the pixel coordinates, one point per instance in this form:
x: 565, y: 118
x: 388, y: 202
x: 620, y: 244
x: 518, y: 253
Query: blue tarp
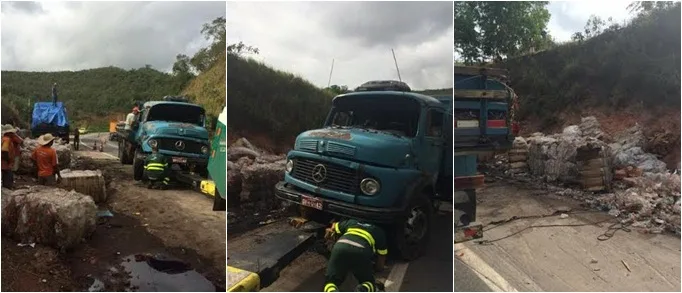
x: 49, y: 113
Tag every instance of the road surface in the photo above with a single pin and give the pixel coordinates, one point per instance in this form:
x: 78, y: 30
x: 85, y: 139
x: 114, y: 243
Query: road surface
x: 430, y: 273
x: 564, y: 258
x: 88, y: 140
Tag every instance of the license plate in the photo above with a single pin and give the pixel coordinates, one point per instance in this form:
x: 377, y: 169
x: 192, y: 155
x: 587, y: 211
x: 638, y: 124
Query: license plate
x: 467, y: 123
x: 179, y: 160
x: 311, y: 202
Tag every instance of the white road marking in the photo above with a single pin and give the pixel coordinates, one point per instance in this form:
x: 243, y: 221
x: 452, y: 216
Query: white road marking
x: 486, y: 273
x: 396, y: 277
x: 105, y: 153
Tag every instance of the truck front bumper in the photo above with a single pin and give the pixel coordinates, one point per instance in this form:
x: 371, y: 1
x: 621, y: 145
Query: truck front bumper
x: 288, y: 192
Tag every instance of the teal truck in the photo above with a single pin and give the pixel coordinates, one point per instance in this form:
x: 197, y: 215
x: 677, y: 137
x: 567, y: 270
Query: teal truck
x: 384, y: 155
x: 177, y: 127
x: 484, y: 108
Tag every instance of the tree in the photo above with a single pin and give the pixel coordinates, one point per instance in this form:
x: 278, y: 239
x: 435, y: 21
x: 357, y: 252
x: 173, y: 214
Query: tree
x: 595, y: 26
x: 491, y: 30
x: 337, y: 89
x: 647, y: 7
x: 241, y: 48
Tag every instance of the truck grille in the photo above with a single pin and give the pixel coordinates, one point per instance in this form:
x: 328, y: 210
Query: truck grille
x: 169, y: 145
x: 337, y: 177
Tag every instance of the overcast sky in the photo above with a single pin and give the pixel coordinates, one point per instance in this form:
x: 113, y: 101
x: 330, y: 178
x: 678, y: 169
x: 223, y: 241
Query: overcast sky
x: 304, y: 37
x: 52, y: 36
x: 570, y: 17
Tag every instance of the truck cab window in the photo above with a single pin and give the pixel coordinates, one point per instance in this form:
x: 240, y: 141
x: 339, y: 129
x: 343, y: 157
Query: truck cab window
x: 435, y: 126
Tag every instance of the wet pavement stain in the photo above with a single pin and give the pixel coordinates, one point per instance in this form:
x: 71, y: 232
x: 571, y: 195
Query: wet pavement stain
x: 157, y: 273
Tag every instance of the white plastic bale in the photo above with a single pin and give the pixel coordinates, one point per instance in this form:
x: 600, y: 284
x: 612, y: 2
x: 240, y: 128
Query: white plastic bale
x: 49, y: 216
x: 88, y: 182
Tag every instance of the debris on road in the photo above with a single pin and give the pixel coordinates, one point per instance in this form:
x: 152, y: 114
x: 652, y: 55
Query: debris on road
x: 47, y: 215
x: 252, y: 173
x: 638, y: 186
x: 626, y: 265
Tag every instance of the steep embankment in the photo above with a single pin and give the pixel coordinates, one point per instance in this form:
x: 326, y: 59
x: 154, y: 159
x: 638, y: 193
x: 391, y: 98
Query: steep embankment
x: 208, y: 89
x: 622, y: 77
x: 91, y: 96
x: 270, y: 107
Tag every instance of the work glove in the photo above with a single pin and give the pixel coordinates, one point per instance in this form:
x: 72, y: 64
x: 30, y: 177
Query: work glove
x: 329, y: 234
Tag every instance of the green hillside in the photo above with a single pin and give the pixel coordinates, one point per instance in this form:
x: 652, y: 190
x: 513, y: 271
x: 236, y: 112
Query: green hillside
x: 208, y: 89
x: 262, y: 101
x: 631, y: 67
x: 91, y: 96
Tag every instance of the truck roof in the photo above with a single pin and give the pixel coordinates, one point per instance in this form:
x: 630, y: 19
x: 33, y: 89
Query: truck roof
x: 424, y: 99
x: 154, y: 103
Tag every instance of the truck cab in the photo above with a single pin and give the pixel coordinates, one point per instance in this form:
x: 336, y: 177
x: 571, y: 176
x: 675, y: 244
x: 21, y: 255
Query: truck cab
x: 177, y: 127
x: 383, y: 156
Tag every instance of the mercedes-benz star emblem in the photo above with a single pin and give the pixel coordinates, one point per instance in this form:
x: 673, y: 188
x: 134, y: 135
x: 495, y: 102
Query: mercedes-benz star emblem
x: 319, y: 173
x: 180, y: 145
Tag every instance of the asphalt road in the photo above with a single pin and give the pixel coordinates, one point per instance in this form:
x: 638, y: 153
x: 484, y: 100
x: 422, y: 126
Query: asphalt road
x: 560, y: 253
x: 430, y: 273
x: 88, y: 140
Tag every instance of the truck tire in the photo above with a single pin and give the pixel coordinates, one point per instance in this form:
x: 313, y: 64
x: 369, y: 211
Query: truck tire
x: 413, y: 232
x: 122, y: 153
x: 219, y: 203
x: 138, y: 167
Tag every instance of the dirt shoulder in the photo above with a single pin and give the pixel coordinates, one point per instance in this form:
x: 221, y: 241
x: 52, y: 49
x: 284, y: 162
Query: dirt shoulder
x: 569, y: 257
x: 178, y: 224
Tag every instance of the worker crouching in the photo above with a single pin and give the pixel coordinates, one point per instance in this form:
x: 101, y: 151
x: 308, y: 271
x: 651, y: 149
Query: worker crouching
x: 156, y: 170
x: 353, y: 252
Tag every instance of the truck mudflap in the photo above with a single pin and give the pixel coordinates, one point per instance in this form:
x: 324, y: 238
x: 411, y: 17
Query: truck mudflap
x: 469, y: 232
x: 264, y: 252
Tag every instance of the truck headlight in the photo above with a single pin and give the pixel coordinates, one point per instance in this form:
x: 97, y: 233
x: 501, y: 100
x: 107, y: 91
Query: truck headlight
x: 289, y: 166
x: 369, y: 186
x: 204, y: 149
x: 153, y: 143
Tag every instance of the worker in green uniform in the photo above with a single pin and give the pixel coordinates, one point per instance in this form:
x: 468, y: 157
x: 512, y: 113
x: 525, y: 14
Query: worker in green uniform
x: 156, y: 169
x: 353, y: 252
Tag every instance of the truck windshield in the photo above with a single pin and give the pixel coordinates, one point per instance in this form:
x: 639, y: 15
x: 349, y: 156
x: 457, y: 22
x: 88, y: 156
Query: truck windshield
x: 177, y: 113
x: 392, y: 114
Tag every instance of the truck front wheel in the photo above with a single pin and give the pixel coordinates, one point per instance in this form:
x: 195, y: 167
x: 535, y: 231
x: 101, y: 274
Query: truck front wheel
x: 413, y: 232
x: 138, y: 166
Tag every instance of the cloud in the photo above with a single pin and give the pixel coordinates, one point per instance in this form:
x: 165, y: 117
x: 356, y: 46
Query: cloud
x: 304, y: 37
x: 570, y: 17
x: 52, y: 36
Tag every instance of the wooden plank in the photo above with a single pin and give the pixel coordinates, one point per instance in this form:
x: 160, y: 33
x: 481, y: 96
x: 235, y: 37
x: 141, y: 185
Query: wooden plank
x: 489, y: 71
x: 481, y: 94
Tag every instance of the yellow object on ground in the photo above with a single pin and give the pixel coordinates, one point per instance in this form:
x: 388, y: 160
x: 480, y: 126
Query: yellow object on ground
x: 207, y: 187
x: 242, y: 281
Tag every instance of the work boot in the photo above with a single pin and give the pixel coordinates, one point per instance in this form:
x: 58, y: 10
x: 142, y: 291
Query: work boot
x: 365, y: 287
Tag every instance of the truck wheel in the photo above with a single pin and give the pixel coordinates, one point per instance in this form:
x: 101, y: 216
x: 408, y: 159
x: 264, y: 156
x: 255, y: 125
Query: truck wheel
x: 413, y: 233
x: 138, y: 167
x: 219, y: 203
x: 122, y: 153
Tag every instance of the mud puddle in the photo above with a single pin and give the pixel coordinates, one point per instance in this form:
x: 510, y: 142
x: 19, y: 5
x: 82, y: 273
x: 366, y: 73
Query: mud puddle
x: 153, y: 273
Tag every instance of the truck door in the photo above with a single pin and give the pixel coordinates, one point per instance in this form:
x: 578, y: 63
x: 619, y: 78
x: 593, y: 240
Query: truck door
x: 432, y: 148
